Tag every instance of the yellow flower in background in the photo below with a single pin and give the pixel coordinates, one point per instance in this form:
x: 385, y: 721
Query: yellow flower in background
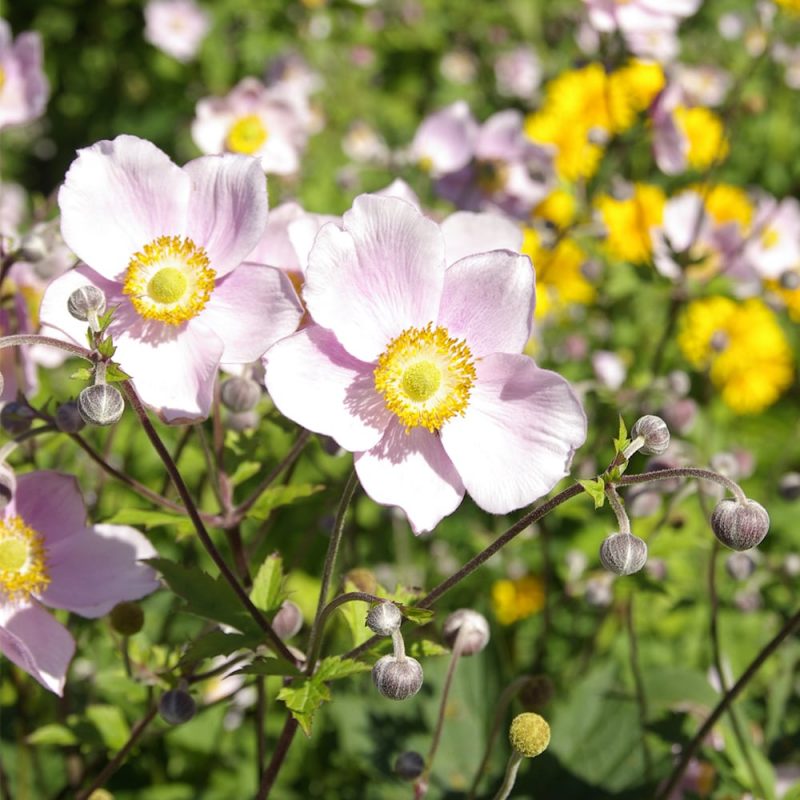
x: 559, y: 207
x: 726, y: 203
x: 632, y: 89
x: 560, y: 281
x: 789, y: 297
x: 513, y: 600
x: 705, y: 133
x: 744, y: 348
x: 790, y: 5
x: 576, y: 156
x: 628, y: 222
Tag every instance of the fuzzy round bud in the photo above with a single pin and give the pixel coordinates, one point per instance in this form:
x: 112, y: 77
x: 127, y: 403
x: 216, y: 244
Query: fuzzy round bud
x: 623, y: 553
x: 16, y: 418
x: 101, y: 404
x: 68, y: 418
x: 397, y: 678
x: 86, y: 301
x: 529, y: 734
x: 409, y: 765
x: 476, y: 631
x: 537, y: 692
x: 243, y: 421
x: 176, y: 706
x: 655, y: 433
x: 288, y: 621
x: 8, y: 485
x: 240, y: 394
x: 789, y: 486
x: 384, y: 619
x: 127, y: 618
x: 740, y: 566
x: 740, y: 526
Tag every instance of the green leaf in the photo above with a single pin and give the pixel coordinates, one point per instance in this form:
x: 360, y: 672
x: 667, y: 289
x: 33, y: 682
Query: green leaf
x: 304, y: 699
x: 111, y: 725
x: 207, y: 597
x: 52, y: 734
x: 218, y: 643
x: 277, y: 496
x: 268, y: 592
x: 426, y: 648
x: 106, y: 347
x: 419, y: 616
x: 114, y: 373
x: 269, y: 666
x: 622, y: 441
x: 104, y: 320
x: 596, y: 489
x: 354, y: 615
x: 146, y: 518
x: 245, y: 471
x: 82, y: 374
x: 742, y: 763
x: 334, y: 668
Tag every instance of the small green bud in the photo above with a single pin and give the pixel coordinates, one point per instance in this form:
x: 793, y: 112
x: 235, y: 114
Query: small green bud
x: 127, y: 618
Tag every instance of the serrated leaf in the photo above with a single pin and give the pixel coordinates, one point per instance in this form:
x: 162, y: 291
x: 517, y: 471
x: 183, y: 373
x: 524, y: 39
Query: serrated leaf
x: 425, y: 648
x: 596, y: 489
x: 304, y: 699
x: 622, y: 440
x: 278, y: 496
x: 334, y: 668
x: 104, y: 320
x: 106, y: 347
x: 147, y: 518
x: 245, y: 471
x: 269, y: 666
x: 218, y: 643
x: 82, y: 374
x: 419, y: 616
x: 114, y: 373
x: 111, y: 725
x: 52, y: 734
x: 268, y: 592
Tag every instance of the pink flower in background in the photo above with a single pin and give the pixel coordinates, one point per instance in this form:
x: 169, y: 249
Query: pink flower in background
x: 24, y: 89
x: 166, y: 245
x: 50, y: 557
x: 774, y: 247
x: 177, y: 27
x: 445, y: 140
x: 518, y: 73
x: 270, y: 123
x: 416, y: 366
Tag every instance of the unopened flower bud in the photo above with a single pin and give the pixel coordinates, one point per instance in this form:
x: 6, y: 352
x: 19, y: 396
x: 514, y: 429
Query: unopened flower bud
x: 288, y: 621
x: 409, y: 765
x: 680, y: 415
x: 240, y: 394
x: 127, y: 618
x: 397, y: 678
x: 101, y: 404
x: 529, y: 734
x: 789, y: 486
x: 537, y: 692
x: 16, y: 418
x: 740, y: 566
x: 243, y: 421
x: 86, y: 301
x: 655, y: 433
x: 475, y: 635
x: 623, y: 553
x: 384, y: 619
x: 176, y: 706
x: 740, y: 526
x: 679, y: 382
x: 68, y: 418
x: 8, y: 485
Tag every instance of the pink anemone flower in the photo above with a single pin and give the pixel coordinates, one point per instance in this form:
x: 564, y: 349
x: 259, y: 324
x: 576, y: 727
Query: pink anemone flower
x: 177, y: 27
x: 49, y: 557
x: 23, y: 86
x: 166, y: 245
x: 417, y: 367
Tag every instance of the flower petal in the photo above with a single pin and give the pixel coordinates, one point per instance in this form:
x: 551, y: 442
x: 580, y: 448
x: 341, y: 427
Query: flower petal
x: 466, y: 233
x: 97, y: 568
x: 119, y: 196
x: 518, y: 435
x: 380, y: 275
x: 51, y: 503
x: 412, y: 471
x: 313, y: 380
x: 488, y: 299
x: 37, y: 643
x: 227, y: 208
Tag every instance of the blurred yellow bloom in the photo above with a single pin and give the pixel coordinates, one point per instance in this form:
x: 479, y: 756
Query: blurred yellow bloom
x: 628, y: 222
x: 576, y: 157
x: 790, y: 5
x: 789, y: 297
x: 705, y: 133
x: 513, y: 600
x: 726, y: 203
x: 559, y: 277
x: 559, y: 207
x: 744, y: 348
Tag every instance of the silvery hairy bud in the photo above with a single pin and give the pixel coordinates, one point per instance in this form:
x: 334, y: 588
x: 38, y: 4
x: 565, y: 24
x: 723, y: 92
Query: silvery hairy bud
x: 86, y: 301
x: 655, y: 433
x: 384, y: 619
x: 397, y: 678
x: 409, y: 765
x: 176, y: 706
x: 789, y: 486
x: 288, y: 621
x: 240, y: 394
x: 101, y: 404
x: 243, y: 421
x: 740, y: 526
x: 623, y: 553
x: 475, y: 635
x: 16, y: 418
x: 68, y: 418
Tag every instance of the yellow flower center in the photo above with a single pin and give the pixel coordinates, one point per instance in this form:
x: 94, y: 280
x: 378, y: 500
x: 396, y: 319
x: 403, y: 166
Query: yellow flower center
x: 770, y: 238
x: 2, y: 78
x: 425, y: 377
x: 23, y: 562
x: 169, y: 280
x: 247, y: 135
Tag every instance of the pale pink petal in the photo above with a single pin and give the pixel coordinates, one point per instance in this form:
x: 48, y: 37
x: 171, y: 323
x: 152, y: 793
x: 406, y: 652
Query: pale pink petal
x: 303, y: 233
x: 211, y: 124
x: 399, y: 188
x: 518, y: 435
x: 250, y: 309
x: 314, y: 381
x: 275, y: 247
x: 37, y: 643
x: 227, y: 208
x: 119, y: 196
x: 380, y: 275
x: 488, y: 299
x: 412, y: 471
x: 97, y: 568
x: 49, y: 502
x: 445, y: 139
x: 466, y: 233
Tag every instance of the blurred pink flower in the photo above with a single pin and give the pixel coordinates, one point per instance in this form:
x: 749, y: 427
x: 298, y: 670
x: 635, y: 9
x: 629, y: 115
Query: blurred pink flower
x: 49, y: 557
x: 177, y: 27
x: 774, y: 247
x: 24, y: 89
x: 166, y: 245
x: 415, y: 364
x: 518, y: 73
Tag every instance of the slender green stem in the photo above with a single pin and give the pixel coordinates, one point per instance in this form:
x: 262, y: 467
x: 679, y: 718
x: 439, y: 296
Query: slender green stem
x: 9, y: 447
x: 340, y: 600
x: 30, y: 338
x: 510, y: 777
x: 615, y: 502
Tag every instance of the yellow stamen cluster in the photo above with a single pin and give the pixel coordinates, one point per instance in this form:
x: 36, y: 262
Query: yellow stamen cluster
x: 169, y: 280
x: 247, y: 135
x: 2, y: 78
x: 425, y: 377
x: 513, y: 600
x: 23, y: 561
x: 629, y: 221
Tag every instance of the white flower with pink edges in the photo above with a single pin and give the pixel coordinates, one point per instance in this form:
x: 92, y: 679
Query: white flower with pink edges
x: 177, y: 27
x: 24, y: 88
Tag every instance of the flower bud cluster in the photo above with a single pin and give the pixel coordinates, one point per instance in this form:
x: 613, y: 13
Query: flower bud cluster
x: 396, y: 676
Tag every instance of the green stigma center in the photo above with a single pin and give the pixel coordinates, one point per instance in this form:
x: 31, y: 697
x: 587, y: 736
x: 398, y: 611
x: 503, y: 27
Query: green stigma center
x: 421, y: 381
x: 13, y: 554
x: 167, y: 286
